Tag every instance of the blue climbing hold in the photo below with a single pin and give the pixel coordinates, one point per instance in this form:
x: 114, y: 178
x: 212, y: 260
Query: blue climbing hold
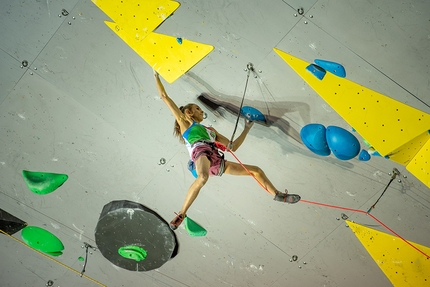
x: 332, y: 67
x: 364, y: 155
x: 342, y: 143
x: 316, y: 70
x: 252, y: 114
x: 179, y: 40
x: 314, y: 138
x: 192, y: 168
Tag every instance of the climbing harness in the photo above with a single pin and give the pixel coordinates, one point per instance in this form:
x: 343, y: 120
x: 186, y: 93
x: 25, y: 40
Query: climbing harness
x: 216, y: 147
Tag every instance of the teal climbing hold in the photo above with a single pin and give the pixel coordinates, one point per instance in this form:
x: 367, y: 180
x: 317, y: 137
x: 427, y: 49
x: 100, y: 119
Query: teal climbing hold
x: 43, y: 182
x: 342, y: 143
x: 252, y: 114
x: 364, y: 155
x: 316, y: 70
x: 332, y: 67
x: 314, y: 138
x: 193, y: 228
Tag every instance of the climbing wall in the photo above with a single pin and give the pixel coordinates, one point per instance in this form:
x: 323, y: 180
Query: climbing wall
x: 78, y: 99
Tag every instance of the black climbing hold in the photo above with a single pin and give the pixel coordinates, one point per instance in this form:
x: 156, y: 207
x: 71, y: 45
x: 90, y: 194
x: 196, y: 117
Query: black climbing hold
x: 9, y: 223
x: 134, y: 237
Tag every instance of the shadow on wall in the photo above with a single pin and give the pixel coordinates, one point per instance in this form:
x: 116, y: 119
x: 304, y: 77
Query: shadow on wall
x: 219, y: 103
x: 273, y: 117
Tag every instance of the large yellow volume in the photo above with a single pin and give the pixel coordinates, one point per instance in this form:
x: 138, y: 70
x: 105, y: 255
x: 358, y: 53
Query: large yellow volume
x: 402, y: 265
x: 137, y: 17
x: 134, y: 22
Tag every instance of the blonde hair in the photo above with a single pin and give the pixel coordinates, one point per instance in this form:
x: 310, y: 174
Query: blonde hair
x: 176, y: 128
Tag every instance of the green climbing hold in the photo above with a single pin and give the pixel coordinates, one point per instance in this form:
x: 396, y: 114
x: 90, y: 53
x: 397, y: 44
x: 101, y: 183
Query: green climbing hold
x: 193, y: 228
x: 55, y: 253
x: 43, y: 182
x: 80, y: 258
x: 42, y: 240
x: 133, y: 252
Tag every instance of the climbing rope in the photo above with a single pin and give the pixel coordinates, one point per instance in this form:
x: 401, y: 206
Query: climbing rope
x: 339, y: 207
x: 373, y: 217
x: 260, y: 86
x: 56, y: 261
x: 249, y: 68
x: 396, y: 172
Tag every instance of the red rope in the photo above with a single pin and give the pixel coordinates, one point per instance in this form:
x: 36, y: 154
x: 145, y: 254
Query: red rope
x: 407, y: 242
x: 333, y: 206
x: 222, y: 147
x: 265, y: 188
x: 374, y: 218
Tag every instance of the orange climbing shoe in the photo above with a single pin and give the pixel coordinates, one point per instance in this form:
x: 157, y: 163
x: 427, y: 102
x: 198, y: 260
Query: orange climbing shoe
x: 176, y: 221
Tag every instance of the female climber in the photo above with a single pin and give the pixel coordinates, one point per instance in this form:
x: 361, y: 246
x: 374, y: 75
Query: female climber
x: 202, y: 143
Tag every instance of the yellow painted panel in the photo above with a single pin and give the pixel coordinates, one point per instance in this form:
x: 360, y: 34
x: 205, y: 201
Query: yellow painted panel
x: 166, y: 55
x: 401, y: 263
x: 137, y: 18
x: 420, y: 165
x: 171, y: 59
x: 134, y: 22
x: 407, y: 152
x: 385, y: 123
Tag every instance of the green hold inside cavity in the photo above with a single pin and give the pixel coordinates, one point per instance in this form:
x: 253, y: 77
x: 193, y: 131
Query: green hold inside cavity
x: 135, y: 253
x: 42, y: 240
x: 43, y: 182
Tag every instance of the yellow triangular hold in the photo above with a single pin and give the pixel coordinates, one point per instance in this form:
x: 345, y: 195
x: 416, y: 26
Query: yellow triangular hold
x: 137, y: 17
x: 420, y: 164
x: 385, y: 123
x: 400, y: 262
x: 165, y: 54
x: 170, y: 58
x: 134, y: 21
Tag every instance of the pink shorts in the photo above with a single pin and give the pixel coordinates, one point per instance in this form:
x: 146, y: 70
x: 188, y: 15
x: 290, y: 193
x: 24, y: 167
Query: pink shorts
x: 217, y: 161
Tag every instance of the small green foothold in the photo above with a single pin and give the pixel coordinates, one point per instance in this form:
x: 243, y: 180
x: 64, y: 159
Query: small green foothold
x: 42, y: 240
x: 43, y: 182
x: 193, y: 228
x: 80, y: 258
